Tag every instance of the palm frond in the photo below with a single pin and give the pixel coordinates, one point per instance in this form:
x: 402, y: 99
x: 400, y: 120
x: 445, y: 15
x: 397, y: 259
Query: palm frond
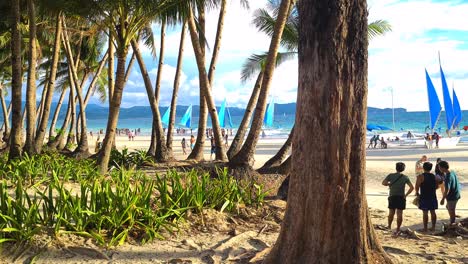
x: 149, y: 41
x: 256, y: 62
x: 378, y: 28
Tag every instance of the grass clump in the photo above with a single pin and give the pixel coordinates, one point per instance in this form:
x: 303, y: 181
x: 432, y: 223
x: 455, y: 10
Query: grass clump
x: 58, y: 195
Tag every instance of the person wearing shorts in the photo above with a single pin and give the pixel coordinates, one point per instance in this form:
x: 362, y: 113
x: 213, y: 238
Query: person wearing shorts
x: 426, y: 186
x: 397, y: 196
x: 452, y: 190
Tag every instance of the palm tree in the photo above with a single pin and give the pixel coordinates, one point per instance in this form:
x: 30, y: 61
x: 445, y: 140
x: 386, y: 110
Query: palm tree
x: 31, y: 83
x: 245, y: 156
x: 16, y: 82
x: 332, y: 91
x: 265, y: 22
x: 173, y: 106
x: 41, y: 131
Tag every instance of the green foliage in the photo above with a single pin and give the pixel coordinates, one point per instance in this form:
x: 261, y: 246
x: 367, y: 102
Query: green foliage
x: 55, y: 194
x: 127, y: 160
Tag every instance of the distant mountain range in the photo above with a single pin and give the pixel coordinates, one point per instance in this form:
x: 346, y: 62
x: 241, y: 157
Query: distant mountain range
x: 94, y: 111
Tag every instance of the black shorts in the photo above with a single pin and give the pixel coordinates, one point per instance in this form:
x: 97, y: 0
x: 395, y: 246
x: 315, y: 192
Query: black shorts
x: 213, y: 150
x: 397, y: 202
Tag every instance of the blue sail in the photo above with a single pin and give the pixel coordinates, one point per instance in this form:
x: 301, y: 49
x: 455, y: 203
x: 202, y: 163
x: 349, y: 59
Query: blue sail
x: 268, y: 120
x: 447, y: 101
x: 187, y: 118
x: 456, y: 110
x: 434, y: 104
x: 229, y: 117
x: 165, y: 118
x: 222, y: 112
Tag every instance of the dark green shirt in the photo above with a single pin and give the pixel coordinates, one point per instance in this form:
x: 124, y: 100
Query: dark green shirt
x: 452, y: 185
x: 397, y: 183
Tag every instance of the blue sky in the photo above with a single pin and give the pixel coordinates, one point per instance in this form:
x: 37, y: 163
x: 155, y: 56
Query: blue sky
x: 397, y: 60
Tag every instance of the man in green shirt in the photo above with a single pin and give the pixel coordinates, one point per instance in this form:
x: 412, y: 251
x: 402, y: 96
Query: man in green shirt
x: 397, y: 197
x: 452, y: 190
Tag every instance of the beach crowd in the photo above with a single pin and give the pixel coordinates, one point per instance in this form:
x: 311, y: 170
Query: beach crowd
x: 427, y: 183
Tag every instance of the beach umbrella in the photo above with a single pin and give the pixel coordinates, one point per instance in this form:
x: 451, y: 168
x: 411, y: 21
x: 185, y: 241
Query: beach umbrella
x: 371, y: 127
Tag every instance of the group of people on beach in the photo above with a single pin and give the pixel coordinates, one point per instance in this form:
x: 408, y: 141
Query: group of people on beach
x: 427, y: 183
x: 375, y: 140
x: 430, y: 139
x: 224, y: 134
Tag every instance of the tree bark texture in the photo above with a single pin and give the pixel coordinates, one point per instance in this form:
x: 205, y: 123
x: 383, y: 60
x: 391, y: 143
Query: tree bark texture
x: 114, y: 109
x: 197, y: 151
x: 31, y: 82
x: 172, y: 113
x: 71, y: 137
x: 161, y: 153
x: 16, y: 80
x: 236, y: 143
x: 206, y: 91
x: 41, y: 131
x: 110, y: 69
x: 245, y: 157
x: 326, y: 219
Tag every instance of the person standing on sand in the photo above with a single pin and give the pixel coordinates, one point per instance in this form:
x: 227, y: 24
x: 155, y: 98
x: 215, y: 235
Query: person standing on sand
x: 436, y: 138
x: 452, y: 190
x: 192, y: 141
x: 419, y: 165
x: 397, y: 196
x: 184, y: 146
x: 226, y: 142
x: 426, y: 186
x: 213, y: 147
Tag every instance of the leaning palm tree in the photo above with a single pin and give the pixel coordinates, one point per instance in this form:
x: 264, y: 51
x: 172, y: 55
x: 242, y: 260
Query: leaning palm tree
x: 265, y: 21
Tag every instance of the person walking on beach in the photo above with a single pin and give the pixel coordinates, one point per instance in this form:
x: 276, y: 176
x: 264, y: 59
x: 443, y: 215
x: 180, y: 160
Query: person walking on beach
x: 452, y: 190
x: 426, y: 186
x: 397, y: 196
x: 192, y: 142
x: 371, y: 141
x: 226, y: 142
x: 376, y: 140
x: 436, y: 138
x: 184, y: 146
x: 419, y: 165
x: 213, y: 147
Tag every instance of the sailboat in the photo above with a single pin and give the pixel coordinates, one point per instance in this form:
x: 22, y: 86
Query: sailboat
x: 268, y: 120
x: 223, y: 111
x: 435, y: 109
x: 456, y: 110
x: 165, y: 118
x: 187, y: 118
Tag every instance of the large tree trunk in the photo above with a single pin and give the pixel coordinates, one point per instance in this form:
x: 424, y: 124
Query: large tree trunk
x: 197, y: 151
x: 326, y: 219
x: 157, y: 130
x: 206, y: 90
x: 41, y: 131
x: 278, y: 158
x: 56, y: 114
x: 245, y: 157
x: 31, y: 85
x: 236, y: 143
x: 16, y: 80
x: 175, y: 91
x: 6, y: 117
x: 114, y: 109
x: 161, y: 153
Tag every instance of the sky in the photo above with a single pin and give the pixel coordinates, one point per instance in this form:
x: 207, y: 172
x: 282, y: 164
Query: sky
x: 420, y: 29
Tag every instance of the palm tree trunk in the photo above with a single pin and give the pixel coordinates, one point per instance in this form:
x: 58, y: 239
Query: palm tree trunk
x: 161, y: 153
x: 92, y: 85
x: 110, y: 68
x: 327, y: 183
x: 40, y: 107
x: 129, y: 68
x: 157, y: 87
x: 206, y: 90
x: 278, y: 158
x: 41, y: 131
x: 16, y: 120
x: 31, y: 85
x: 175, y: 91
x: 58, y: 141
x: 236, y: 143
x: 245, y: 157
x: 56, y: 114
x: 82, y: 149
x: 114, y: 109
x: 197, y: 151
x: 6, y: 116
x: 71, y: 132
